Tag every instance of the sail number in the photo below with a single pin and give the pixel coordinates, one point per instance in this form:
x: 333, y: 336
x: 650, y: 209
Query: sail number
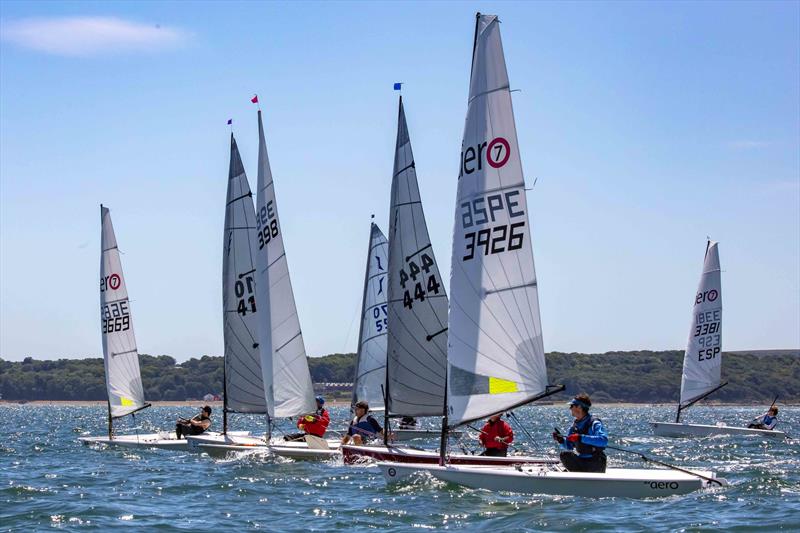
x: 247, y: 301
x: 496, y: 238
x: 419, y: 281
x: 381, y: 317
x: 116, y: 317
x: 707, y: 330
x: 496, y: 152
x: 266, y: 224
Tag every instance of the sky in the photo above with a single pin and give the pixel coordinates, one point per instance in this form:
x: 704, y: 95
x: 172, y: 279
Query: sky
x: 646, y: 127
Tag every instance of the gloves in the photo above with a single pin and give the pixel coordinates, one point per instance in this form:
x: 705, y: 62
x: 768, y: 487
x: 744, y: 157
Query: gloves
x: 574, y: 437
x: 558, y: 438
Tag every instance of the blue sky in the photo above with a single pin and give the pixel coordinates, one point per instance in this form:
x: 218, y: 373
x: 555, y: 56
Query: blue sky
x: 648, y: 126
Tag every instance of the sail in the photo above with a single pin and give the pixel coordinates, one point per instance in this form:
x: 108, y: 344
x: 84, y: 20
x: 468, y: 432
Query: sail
x: 371, y: 360
x: 123, y: 379
x: 244, y: 389
x: 287, y: 380
x: 495, y: 354
x: 702, y: 361
x: 417, y: 342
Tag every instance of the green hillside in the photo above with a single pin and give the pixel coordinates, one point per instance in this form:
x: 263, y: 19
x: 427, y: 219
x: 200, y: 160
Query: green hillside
x: 640, y: 376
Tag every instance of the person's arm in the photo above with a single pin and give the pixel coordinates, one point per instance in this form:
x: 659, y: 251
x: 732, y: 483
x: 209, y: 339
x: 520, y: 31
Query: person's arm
x: 597, y: 436
x: 201, y: 423
x: 375, y: 426
x: 325, y: 419
x: 509, y: 435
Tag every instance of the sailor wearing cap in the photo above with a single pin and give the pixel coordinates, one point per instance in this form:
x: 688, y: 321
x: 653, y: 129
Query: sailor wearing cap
x: 583, y: 448
x: 312, y: 424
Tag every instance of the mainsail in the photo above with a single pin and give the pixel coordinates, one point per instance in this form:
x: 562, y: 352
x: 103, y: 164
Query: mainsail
x: 121, y: 357
x: 244, y: 389
x: 371, y: 361
x: 702, y: 361
x: 417, y: 342
x: 495, y: 353
x: 287, y: 380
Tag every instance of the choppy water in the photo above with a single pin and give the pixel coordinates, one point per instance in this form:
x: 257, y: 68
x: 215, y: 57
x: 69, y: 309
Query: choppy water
x: 49, y: 480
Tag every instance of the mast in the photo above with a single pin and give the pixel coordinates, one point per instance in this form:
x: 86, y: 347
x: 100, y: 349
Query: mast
x: 110, y: 422
x: 224, y: 398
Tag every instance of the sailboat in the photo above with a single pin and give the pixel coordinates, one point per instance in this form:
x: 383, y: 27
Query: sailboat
x: 702, y: 360
x: 288, y: 389
x: 371, y: 357
x: 120, y: 354
x: 495, y: 356
x: 243, y: 388
x: 418, y: 332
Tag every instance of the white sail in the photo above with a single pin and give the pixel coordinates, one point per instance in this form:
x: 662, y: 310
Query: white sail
x: 417, y: 343
x: 244, y: 388
x: 702, y: 361
x: 287, y: 380
x: 495, y: 352
x: 371, y: 361
x: 123, y: 379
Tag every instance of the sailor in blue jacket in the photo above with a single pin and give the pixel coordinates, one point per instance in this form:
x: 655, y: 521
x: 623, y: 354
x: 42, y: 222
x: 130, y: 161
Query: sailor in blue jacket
x: 766, y: 421
x: 583, y: 448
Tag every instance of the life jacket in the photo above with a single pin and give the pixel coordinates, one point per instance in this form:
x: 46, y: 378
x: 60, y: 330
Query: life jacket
x: 500, y: 428
x: 768, y: 420
x: 584, y: 429
x: 318, y: 425
x: 364, y: 426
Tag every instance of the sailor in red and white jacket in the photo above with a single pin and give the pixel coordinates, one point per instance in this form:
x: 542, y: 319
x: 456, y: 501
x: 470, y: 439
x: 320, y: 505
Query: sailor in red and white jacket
x: 312, y: 424
x: 495, y: 436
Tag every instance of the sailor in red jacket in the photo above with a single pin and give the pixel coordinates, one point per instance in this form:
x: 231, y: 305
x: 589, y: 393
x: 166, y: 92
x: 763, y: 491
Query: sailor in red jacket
x: 496, y: 435
x: 312, y: 424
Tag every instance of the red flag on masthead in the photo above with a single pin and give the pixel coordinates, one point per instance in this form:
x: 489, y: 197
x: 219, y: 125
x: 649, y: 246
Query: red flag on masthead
x: 254, y: 99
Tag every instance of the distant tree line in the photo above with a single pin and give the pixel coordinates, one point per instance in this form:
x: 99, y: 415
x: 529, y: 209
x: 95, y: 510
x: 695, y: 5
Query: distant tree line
x: 638, y: 376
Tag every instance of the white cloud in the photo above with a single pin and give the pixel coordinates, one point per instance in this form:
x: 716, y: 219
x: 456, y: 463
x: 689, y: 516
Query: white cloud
x: 84, y: 36
x: 748, y: 145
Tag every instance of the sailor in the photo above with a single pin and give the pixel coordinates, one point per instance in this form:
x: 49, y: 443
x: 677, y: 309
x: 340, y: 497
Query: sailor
x: 583, y: 448
x: 194, y: 426
x: 363, y: 427
x: 408, y: 422
x: 312, y: 424
x: 765, y: 421
x: 495, y: 436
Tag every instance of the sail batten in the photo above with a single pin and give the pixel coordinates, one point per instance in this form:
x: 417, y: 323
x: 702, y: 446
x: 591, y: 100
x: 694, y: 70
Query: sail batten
x: 244, y: 389
x: 702, y: 360
x: 495, y: 351
x: 417, y: 341
x: 120, y: 354
x: 288, y: 389
x: 371, y: 358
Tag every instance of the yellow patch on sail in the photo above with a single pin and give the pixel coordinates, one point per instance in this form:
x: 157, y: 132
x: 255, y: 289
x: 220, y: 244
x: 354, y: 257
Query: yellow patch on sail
x: 501, y: 386
x: 125, y: 402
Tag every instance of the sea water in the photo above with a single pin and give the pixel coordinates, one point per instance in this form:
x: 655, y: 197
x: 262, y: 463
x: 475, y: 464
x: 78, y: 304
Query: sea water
x: 50, y: 480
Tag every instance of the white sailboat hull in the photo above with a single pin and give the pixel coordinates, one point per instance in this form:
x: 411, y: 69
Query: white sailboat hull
x: 615, y: 482
x: 219, y: 445
x: 163, y: 440
x: 300, y: 450
x: 355, y: 454
x: 672, y: 429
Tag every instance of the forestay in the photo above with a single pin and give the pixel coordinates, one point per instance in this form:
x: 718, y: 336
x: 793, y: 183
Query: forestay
x: 123, y: 379
x: 287, y: 380
x: 371, y: 361
x: 417, y: 342
x: 244, y: 389
x: 496, y: 355
x: 702, y: 361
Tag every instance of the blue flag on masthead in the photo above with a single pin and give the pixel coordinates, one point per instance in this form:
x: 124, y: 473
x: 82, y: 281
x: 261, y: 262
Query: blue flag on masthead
x: 397, y: 86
